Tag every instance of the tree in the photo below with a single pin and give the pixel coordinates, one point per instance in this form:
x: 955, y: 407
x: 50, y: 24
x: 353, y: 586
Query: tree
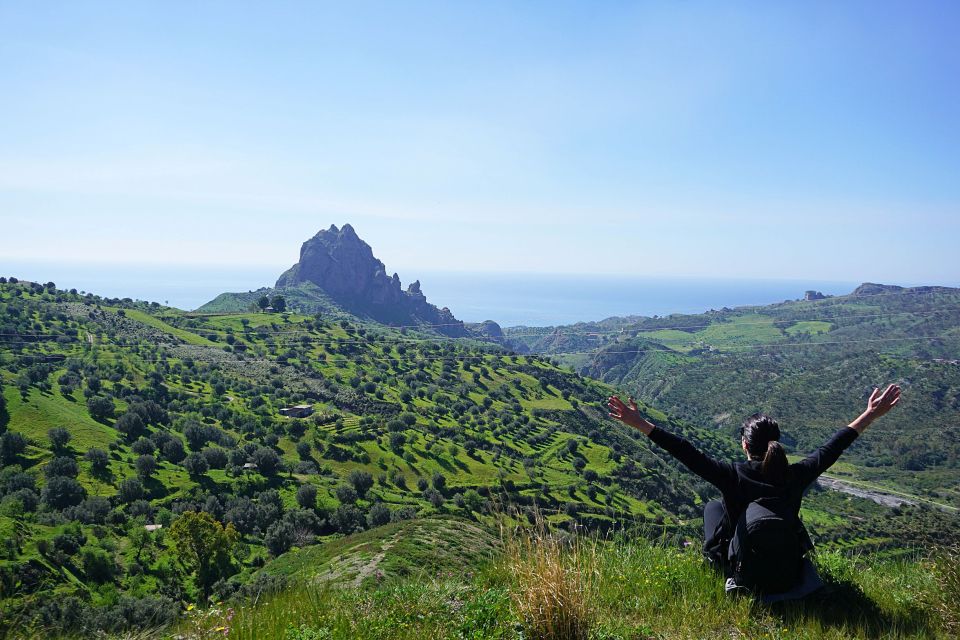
x: 100, y: 408
x: 143, y: 447
x: 196, y: 464
x: 130, y: 490
x: 61, y: 492
x: 278, y: 303
x: 307, y: 496
x: 99, y: 461
x: 146, y: 465
x: 345, y: 494
x: 439, y: 481
x: 279, y: 537
x: 303, y: 449
x: 216, y: 457
x: 12, y: 445
x: 362, y: 481
x: 61, y: 466
x: 472, y: 501
x: 204, y: 547
x: 59, y: 437
x: 267, y: 460
x: 173, y: 450
x: 379, y: 515
x: 263, y: 302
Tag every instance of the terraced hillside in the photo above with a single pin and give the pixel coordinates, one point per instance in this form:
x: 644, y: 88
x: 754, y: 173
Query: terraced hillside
x: 119, y: 418
x: 810, y: 363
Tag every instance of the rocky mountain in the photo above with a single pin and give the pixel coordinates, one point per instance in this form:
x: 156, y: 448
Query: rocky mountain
x: 338, y: 271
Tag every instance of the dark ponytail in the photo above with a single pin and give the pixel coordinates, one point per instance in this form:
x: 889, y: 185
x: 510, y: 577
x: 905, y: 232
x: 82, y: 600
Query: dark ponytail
x: 761, y: 433
x: 774, y: 467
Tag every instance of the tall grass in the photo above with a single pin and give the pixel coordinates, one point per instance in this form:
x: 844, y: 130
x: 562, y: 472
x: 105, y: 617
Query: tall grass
x: 946, y: 571
x: 554, y: 582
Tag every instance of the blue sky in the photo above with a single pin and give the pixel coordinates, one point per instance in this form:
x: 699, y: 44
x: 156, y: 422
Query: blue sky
x: 759, y: 140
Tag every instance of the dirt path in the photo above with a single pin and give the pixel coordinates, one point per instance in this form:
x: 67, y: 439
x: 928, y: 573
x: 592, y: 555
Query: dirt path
x: 370, y: 567
x: 883, y: 496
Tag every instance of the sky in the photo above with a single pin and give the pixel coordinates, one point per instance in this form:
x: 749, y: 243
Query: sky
x: 696, y: 139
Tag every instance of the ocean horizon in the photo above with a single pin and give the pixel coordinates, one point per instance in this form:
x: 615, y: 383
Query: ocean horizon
x: 530, y: 299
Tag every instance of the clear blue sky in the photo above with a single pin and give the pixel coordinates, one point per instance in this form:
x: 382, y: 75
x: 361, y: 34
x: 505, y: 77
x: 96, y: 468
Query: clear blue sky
x: 784, y: 140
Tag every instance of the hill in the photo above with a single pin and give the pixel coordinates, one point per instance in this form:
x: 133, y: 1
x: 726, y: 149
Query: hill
x: 121, y: 420
x: 558, y: 587
x: 152, y: 457
x: 810, y: 363
x: 338, y: 273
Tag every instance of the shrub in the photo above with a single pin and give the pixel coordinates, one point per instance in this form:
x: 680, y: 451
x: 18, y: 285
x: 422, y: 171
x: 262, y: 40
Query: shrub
x: 307, y: 496
x: 59, y: 437
x: 362, y: 481
x: 346, y: 494
x: 379, y: 515
x: 61, y: 466
x: 129, y: 490
x: 60, y: 492
x: 196, y: 464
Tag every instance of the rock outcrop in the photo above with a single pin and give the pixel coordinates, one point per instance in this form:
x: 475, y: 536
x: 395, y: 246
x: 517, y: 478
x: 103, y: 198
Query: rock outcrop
x: 344, y: 267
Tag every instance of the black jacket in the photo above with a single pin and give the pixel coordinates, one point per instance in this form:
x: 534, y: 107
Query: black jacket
x: 742, y: 482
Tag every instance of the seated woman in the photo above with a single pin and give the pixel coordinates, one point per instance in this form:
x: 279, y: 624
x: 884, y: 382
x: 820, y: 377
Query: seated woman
x: 765, y: 476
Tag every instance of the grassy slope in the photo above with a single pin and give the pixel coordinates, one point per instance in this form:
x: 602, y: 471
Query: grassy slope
x: 621, y: 589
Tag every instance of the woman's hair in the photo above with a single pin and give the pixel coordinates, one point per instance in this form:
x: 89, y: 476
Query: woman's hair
x: 761, y: 433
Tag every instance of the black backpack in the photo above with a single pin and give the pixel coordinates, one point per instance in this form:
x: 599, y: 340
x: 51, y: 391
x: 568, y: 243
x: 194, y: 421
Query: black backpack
x: 766, y: 550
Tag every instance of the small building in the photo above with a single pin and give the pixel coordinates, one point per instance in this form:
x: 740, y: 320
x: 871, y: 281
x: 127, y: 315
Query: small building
x: 299, y: 411
x: 152, y: 527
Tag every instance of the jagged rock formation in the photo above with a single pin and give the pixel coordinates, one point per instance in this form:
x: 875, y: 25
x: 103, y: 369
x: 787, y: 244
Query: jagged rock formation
x: 344, y: 267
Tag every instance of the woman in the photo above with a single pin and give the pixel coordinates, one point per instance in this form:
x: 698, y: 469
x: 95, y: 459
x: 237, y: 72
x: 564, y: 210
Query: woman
x: 766, y: 473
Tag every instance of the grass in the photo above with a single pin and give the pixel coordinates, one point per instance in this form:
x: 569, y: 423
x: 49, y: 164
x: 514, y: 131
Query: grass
x: 552, y: 585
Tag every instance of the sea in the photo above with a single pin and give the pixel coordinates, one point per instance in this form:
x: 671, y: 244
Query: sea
x: 510, y: 299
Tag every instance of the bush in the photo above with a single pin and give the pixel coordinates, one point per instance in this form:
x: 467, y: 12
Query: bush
x: 129, y: 490
x: 196, y: 464
x: 307, y: 496
x: 62, y: 467
x: 59, y: 437
x: 61, y: 492
x: 379, y: 515
x: 279, y: 537
x: 362, y: 481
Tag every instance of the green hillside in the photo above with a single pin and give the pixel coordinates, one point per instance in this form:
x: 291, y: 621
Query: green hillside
x: 120, y: 415
x: 809, y: 363
x: 146, y: 462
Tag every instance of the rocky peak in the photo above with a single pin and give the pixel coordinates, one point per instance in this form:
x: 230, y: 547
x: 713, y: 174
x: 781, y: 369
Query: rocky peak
x: 343, y: 266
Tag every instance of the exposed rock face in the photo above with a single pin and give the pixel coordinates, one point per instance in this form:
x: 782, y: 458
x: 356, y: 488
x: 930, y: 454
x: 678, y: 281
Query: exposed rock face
x: 343, y: 265
x: 872, y: 289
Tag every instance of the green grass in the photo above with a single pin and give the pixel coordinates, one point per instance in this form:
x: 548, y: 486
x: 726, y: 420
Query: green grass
x: 157, y: 323
x: 811, y: 327
x: 627, y: 588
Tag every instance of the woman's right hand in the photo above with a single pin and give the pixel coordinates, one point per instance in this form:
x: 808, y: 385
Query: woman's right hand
x: 629, y: 414
x: 877, y: 405
x: 880, y: 403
